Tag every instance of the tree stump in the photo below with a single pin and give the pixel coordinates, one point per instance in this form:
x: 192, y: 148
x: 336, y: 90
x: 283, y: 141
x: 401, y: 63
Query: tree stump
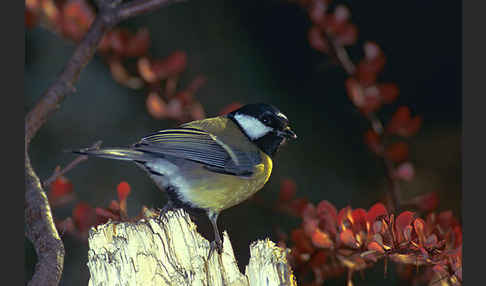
x: 172, y: 252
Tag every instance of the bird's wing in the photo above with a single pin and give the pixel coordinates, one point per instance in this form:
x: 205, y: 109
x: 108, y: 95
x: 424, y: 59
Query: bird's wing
x: 198, y: 146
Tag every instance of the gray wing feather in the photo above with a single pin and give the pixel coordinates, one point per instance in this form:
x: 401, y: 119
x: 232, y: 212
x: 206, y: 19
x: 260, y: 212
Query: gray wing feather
x: 199, y: 146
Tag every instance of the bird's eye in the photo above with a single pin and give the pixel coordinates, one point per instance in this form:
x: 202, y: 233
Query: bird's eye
x: 266, y: 120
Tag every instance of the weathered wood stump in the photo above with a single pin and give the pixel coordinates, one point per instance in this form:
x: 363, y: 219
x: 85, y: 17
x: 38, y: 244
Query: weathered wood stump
x: 172, y: 252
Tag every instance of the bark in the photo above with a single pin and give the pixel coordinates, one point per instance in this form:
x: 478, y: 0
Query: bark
x: 39, y: 224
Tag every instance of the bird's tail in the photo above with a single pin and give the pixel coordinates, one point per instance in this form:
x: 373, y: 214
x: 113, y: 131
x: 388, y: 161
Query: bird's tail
x: 115, y: 153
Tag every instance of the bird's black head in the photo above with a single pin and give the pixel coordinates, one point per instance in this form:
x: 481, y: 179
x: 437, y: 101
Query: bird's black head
x: 264, y: 125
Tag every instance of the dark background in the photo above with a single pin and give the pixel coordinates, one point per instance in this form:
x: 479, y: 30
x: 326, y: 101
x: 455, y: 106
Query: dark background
x: 257, y: 51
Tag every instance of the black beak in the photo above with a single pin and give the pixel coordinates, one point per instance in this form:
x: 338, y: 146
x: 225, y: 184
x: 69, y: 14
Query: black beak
x: 288, y: 133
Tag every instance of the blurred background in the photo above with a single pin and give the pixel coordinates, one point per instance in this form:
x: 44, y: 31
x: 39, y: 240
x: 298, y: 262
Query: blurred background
x: 258, y: 51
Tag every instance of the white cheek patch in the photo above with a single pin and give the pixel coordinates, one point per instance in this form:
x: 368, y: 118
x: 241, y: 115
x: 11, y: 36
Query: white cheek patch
x: 252, y: 126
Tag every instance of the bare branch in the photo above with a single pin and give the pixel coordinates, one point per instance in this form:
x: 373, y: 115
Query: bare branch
x: 42, y: 232
x: 60, y: 172
x: 339, y: 53
x: 40, y: 228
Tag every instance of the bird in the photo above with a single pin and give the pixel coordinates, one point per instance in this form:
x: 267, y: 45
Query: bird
x: 212, y: 164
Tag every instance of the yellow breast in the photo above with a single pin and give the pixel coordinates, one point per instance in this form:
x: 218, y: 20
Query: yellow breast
x: 214, y: 191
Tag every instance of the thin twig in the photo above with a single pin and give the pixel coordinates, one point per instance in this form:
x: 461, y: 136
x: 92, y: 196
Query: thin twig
x: 340, y: 54
x: 40, y: 228
x: 60, y: 172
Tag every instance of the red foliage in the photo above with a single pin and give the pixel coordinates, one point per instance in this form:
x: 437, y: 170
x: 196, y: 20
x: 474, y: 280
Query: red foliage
x: 72, y: 19
x: 397, y: 152
x: 84, y: 216
x: 61, y: 187
x: 287, y: 190
x: 403, y: 124
x: 61, y: 191
x: 426, y: 202
x: 123, y: 190
x: 355, y: 239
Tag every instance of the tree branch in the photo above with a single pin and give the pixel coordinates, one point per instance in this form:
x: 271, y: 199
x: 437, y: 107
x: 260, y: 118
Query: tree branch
x: 339, y: 53
x: 60, y: 172
x: 40, y: 228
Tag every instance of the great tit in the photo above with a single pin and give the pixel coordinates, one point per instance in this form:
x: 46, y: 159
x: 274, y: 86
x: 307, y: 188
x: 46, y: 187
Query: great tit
x: 210, y: 164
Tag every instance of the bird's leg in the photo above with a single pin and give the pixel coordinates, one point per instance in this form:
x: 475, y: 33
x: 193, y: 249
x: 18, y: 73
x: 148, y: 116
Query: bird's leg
x: 217, y: 243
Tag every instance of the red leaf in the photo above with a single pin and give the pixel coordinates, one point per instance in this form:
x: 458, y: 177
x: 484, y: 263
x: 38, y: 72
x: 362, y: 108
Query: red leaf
x: 341, y: 13
x: 344, y: 217
x: 118, y: 40
x: 287, y: 190
x: 321, y: 239
x: 347, y: 237
x: 123, y: 190
x: 372, y: 98
x: 412, y: 127
x: 309, y: 226
x: 359, y: 219
x: 403, y: 124
x: 405, y: 171
x: 397, y: 152
x: 457, y: 235
x: 325, y: 208
x: 302, y: 243
x: 317, y: 40
x: 399, y: 118
x: 318, y: 259
x: 372, y: 51
x: 197, y: 111
x: 388, y: 92
x: 30, y: 19
x: 404, y: 219
x: 317, y: 11
x: 298, y: 205
x: 367, y: 70
x: 174, y: 64
x: 348, y: 34
x: 145, y: 70
x: 446, y: 220
x: 376, y: 211
x: 377, y: 226
x: 156, y: 106
x: 309, y: 212
x: 407, y: 233
x: 138, y: 44
x: 426, y: 202
x: 373, y: 141
x: 355, y: 92
x: 84, y: 216
x: 77, y: 17
x: 174, y: 108
x: 60, y: 187
x: 328, y: 217
x: 431, y: 241
x: 375, y: 246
